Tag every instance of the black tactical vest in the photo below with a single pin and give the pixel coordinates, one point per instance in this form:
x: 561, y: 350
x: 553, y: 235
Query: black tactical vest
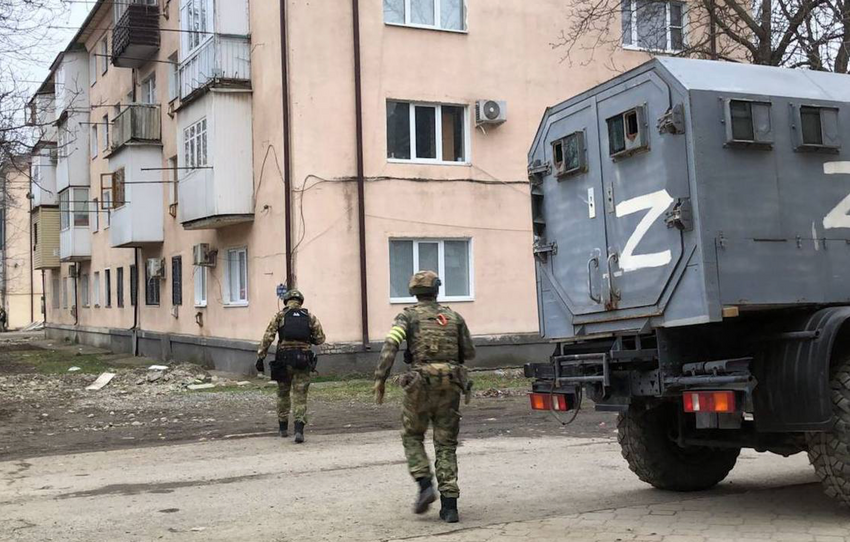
x: 295, y: 326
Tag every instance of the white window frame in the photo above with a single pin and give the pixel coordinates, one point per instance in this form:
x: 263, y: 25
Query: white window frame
x: 84, y: 290
x: 92, y: 69
x: 79, y: 204
x: 441, y: 259
x: 148, y: 89
x: 103, y: 46
x: 193, y: 136
x: 467, y: 135
x: 634, y: 46
x: 173, y: 77
x: 65, y: 218
x: 195, y: 38
x: 107, y: 287
x: 201, y: 283
x: 106, y: 132
x: 94, y: 143
x: 437, y: 18
x: 107, y: 204
x: 96, y: 290
x: 227, y: 294
x: 95, y: 217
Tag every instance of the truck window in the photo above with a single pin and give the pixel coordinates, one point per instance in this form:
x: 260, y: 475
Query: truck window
x: 742, y: 120
x: 569, y: 154
x: 748, y: 124
x: 810, y: 124
x: 627, y: 133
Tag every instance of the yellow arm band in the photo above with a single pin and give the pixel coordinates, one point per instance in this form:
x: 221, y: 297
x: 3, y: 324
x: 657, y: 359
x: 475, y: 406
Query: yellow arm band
x: 396, y: 335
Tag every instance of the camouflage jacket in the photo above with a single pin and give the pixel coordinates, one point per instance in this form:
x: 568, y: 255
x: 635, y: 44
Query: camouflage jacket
x: 434, y: 334
x: 318, y: 335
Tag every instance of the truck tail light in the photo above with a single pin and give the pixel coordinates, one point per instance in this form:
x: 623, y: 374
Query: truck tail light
x: 709, y: 401
x: 550, y: 401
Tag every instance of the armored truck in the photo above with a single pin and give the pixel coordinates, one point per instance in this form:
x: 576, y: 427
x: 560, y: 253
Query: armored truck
x: 692, y: 246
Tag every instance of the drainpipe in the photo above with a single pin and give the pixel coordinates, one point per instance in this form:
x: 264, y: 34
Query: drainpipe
x: 44, y: 297
x: 32, y: 264
x: 361, y: 196
x: 287, y: 143
x: 137, y: 308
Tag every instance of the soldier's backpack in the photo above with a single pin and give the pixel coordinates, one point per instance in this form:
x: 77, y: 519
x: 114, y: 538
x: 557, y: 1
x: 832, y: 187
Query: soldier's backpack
x: 295, y: 326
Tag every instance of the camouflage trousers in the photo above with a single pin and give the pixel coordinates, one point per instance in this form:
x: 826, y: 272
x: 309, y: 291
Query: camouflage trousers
x: 440, y: 408
x: 292, y: 394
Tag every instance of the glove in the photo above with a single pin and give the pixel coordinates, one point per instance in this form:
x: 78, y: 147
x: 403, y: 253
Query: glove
x: 379, y: 392
x: 261, y: 366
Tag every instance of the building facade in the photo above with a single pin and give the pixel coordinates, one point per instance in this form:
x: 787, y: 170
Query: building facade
x: 196, y: 170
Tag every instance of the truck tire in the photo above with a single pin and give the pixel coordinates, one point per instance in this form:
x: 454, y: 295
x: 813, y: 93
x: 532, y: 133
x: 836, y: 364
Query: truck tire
x: 652, y: 454
x: 829, y: 452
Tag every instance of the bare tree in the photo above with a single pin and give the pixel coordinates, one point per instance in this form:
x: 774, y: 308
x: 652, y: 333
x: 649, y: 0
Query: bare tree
x: 799, y: 33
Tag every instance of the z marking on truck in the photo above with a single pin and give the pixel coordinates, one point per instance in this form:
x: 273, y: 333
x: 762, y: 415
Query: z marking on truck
x: 838, y: 217
x: 657, y: 203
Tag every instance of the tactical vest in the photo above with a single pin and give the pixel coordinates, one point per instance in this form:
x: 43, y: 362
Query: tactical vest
x: 295, y: 326
x: 435, y: 337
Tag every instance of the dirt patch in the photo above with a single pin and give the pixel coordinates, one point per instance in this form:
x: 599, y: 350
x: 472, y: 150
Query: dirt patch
x: 47, y: 412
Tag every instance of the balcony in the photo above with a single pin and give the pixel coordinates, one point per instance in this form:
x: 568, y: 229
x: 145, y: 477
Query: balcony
x: 73, y: 160
x: 43, y: 176
x: 75, y: 212
x: 137, y: 221
x: 45, y: 248
x: 220, y: 61
x: 137, y: 123
x: 135, y: 39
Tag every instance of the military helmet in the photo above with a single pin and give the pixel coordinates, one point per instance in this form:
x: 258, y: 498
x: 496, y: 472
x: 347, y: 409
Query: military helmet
x: 424, y: 283
x: 293, y: 294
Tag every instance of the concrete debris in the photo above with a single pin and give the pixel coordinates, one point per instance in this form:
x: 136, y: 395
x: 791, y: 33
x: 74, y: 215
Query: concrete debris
x: 158, y: 368
x: 194, y: 387
x: 243, y: 383
x: 74, y: 369
x: 102, y: 380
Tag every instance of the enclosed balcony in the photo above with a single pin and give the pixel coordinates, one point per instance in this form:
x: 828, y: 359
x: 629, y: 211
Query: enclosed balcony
x: 43, y: 175
x: 45, y: 238
x: 75, y: 212
x: 135, y: 38
x: 73, y: 158
x: 137, y: 196
x: 221, y: 60
x: 137, y: 123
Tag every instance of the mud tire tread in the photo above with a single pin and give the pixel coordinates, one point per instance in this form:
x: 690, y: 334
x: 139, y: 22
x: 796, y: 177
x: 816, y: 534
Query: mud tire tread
x: 829, y: 453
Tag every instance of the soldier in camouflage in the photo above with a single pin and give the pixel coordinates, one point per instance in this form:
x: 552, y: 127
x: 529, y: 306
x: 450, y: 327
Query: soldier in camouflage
x: 297, y: 331
x: 438, y: 343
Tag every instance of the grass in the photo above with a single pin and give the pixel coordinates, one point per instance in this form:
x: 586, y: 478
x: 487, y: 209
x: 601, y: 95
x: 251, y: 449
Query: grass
x: 54, y: 362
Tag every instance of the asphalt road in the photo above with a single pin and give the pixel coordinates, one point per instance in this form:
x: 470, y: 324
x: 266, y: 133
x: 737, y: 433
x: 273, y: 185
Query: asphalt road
x: 355, y: 487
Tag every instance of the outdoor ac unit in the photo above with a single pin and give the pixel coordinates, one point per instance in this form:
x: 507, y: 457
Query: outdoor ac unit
x: 203, y: 256
x: 156, y: 268
x: 490, y: 112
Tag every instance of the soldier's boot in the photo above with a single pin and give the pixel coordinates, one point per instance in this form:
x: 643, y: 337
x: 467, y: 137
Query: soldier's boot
x: 299, y: 432
x: 448, y: 509
x: 426, y: 496
x: 284, y: 429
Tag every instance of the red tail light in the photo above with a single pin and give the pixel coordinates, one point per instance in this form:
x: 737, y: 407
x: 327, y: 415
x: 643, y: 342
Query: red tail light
x: 709, y: 401
x: 550, y: 401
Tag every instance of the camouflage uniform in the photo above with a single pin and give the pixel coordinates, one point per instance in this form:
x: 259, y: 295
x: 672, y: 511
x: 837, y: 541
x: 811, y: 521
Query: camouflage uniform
x: 297, y: 382
x: 439, y: 342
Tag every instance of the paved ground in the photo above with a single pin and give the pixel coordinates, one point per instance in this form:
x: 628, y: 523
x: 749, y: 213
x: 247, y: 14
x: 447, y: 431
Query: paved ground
x: 354, y: 487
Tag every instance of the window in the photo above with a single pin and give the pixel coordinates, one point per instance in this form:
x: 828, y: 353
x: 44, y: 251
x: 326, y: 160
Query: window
x: 427, y: 133
x: 92, y: 69
x: 173, y: 77
x: 237, y: 276
x: 95, y: 216
x: 96, y: 289
x: 151, y: 289
x: 134, y: 285
x: 107, y: 205
x: 627, y: 133
x: 119, y: 287
x: 80, y: 205
x: 195, y: 144
x: 194, y: 18
x: 34, y: 231
x: 149, y: 89
x: 57, y: 294
x: 106, y: 141
x: 107, y: 288
x: 450, y: 258
x: 118, y: 189
x: 201, y: 286
x: 176, y: 280
x: 810, y: 126
x: 64, y: 210
x: 173, y: 179
x: 104, y: 55
x: 818, y: 129
x: 84, y: 290
x: 569, y: 154
x: 439, y: 14
x: 94, y: 141
x: 748, y: 123
x: 655, y: 25
x: 65, y: 293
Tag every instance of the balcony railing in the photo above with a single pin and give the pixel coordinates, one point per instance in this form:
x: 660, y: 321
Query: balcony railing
x: 135, y: 39
x: 224, y: 60
x: 137, y: 123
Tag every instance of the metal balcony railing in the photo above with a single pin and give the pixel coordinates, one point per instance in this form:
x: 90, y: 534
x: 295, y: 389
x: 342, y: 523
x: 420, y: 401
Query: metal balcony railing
x: 135, y: 38
x: 222, y: 59
x: 137, y: 122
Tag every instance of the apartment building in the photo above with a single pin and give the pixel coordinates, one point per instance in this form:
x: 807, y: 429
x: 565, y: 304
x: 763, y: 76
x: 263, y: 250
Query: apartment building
x: 196, y: 170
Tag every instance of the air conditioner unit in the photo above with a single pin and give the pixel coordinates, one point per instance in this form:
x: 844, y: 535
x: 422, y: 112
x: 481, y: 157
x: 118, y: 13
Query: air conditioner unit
x: 72, y: 271
x: 203, y: 256
x: 156, y: 268
x: 490, y: 112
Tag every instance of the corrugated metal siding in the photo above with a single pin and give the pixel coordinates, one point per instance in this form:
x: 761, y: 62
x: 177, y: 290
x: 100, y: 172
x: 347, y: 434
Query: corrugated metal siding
x: 46, y: 254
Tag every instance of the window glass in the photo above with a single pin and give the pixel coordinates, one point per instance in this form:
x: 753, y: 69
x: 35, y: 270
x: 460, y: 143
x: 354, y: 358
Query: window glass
x: 237, y: 271
x: 626, y: 17
x: 401, y: 267
x: 151, y: 289
x: 64, y: 210
x: 65, y: 293
x: 80, y: 205
x: 134, y: 285
x: 84, y: 290
x: 811, y: 123
x: 149, y: 90
x: 451, y: 14
x: 106, y: 141
x: 453, y: 133
x: 104, y: 56
x: 652, y: 24
x: 96, y: 289
x: 93, y: 142
x: 677, y: 26
x: 741, y: 114
x: 119, y: 286
x: 118, y: 188
x: 394, y: 11
x: 571, y: 153
x: 107, y: 288
x: 616, y: 135
x: 398, y: 130
x: 200, y: 286
x: 176, y: 280
x: 422, y: 12
x: 426, y: 132
x: 56, y: 293
x: 107, y: 205
x: 457, y: 268
x: 429, y: 257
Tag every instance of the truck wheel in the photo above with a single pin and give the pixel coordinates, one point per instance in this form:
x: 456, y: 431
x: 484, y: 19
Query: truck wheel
x: 829, y: 452
x: 646, y: 438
